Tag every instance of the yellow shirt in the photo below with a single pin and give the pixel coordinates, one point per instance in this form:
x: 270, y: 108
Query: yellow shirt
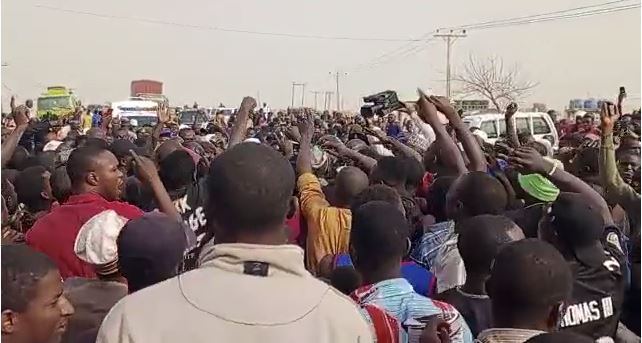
x: 328, y: 227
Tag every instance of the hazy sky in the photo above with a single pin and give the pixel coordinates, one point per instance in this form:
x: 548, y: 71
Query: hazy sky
x: 98, y: 57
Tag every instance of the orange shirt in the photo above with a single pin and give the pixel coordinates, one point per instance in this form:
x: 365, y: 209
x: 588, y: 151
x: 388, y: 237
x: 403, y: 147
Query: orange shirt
x: 328, y: 227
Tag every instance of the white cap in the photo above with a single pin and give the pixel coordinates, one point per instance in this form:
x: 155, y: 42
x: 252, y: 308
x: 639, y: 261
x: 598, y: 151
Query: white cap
x: 96, y: 240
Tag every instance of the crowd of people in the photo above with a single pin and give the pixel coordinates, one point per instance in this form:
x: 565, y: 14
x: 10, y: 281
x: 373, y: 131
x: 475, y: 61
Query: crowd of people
x: 299, y: 226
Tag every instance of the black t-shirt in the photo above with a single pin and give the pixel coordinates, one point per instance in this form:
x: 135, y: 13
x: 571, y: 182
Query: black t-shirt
x: 189, y: 203
x: 476, y: 309
x: 598, y: 292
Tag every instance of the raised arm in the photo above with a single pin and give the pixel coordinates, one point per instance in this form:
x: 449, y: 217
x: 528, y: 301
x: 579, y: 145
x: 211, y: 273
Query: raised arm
x: 368, y: 163
x: 511, y: 132
x: 11, y: 142
x: 471, y: 147
x: 304, y: 159
x: 240, y: 124
x: 616, y: 189
x: 147, y: 173
x: 529, y: 160
x: 449, y: 152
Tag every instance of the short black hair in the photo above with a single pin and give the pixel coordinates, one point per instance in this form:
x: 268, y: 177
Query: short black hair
x: 81, y: 161
x: 22, y: 269
x: 436, y: 197
x: 480, y: 239
x: 414, y: 173
x: 96, y: 143
x: 60, y: 184
x: 376, y: 193
x: 349, y: 182
x: 345, y: 279
x: 18, y: 158
x: 249, y: 188
x: 587, y: 161
x: 378, y: 235
x: 390, y: 170
x: 177, y: 170
x: 29, y: 186
x: 481, y: 193
x: 527, y: 278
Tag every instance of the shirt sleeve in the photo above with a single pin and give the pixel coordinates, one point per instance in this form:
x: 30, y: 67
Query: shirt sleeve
x: 616, y: 189
x: 311, y: 197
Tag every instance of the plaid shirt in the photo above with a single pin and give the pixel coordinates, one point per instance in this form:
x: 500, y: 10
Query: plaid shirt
x: 399, y: 300
x: 428, y: 245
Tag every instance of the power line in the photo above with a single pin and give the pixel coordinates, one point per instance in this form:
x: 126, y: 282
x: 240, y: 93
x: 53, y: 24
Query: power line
x: 515, y: 21
x: 224, y: 29
x: 558, y: 17
x: 469, y: 26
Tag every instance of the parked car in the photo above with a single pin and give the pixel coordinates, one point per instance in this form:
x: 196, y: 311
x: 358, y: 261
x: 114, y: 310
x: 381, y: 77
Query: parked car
x: 538, y: 124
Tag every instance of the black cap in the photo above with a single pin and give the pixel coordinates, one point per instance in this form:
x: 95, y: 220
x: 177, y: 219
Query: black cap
x: 121, y: 147
x: 153, y: 242
x: 580, y: 225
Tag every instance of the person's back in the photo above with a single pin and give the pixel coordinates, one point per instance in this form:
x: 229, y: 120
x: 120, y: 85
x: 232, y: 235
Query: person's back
x: 249, y: 287
x: 378, y: 241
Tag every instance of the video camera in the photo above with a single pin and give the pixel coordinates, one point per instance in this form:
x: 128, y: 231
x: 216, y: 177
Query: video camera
x: 380, y: 104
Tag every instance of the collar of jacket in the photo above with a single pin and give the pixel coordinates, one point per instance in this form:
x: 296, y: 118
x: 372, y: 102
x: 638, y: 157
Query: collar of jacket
x: 282, y: 259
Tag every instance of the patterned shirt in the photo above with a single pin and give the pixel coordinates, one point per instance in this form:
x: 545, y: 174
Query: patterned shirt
x: 398, y: 298
x: 426, y: 249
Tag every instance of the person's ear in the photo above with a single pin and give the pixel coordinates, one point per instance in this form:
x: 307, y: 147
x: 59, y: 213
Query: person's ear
x: 9, y: 321
x: 293, y: 207
x: 92, y: 178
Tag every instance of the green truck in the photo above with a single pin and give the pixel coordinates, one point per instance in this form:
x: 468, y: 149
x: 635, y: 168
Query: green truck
x: 57, y: 103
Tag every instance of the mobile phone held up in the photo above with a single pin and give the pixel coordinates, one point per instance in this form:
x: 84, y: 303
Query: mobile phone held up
x: 622, y: 91
x: 380, y: 104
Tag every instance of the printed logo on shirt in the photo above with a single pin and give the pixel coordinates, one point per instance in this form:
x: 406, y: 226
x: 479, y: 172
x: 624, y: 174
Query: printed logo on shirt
x: 588, y: 311
x: 195, y: 220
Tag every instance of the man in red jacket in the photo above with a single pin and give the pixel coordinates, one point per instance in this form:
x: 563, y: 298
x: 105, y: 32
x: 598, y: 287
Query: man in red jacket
x: 97, y: 184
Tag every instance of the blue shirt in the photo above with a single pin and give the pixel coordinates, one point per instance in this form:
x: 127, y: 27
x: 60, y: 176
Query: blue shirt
x: 422, y: 281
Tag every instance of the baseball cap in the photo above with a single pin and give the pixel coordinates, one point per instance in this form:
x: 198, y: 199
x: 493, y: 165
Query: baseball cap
x: 579, y: 225
x: 121, y: 147
x: 152, y: 245
x: 96, y: 241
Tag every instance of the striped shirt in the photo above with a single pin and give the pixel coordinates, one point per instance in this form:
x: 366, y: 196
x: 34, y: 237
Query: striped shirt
x: 399, y: 299
x: 428, y: 245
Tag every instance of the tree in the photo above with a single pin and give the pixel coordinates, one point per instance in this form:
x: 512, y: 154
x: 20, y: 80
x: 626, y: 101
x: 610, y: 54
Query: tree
x: 491, y: 80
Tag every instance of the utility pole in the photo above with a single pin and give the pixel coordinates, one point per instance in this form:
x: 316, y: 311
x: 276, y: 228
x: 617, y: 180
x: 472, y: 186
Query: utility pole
x: 337, y: 74
x: 327, y: 100
x: 303, y: 95
x: 450, y: 37
x: 294, y: 85
x: 316, y: 93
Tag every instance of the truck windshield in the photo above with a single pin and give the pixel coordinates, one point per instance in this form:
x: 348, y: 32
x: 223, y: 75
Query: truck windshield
x: 192, y: 116
x: 54, y: 102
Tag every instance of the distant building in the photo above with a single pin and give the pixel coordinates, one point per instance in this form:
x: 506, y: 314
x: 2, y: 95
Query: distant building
x: 472, y: 105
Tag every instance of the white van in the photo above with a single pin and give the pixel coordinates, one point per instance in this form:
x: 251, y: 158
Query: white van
x: 539, y: 125
x: 143, y: 112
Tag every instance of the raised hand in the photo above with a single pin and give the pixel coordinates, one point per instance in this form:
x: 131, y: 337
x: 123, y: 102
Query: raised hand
x: 306, y: 126
x: 144, y: 167
x: 20, y: 116
x: 248, y: 103
x: 609, y: 114
x: 443, y: 105
x: 427, y: 110
x: 529, y: 160
x: 511, y: 109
